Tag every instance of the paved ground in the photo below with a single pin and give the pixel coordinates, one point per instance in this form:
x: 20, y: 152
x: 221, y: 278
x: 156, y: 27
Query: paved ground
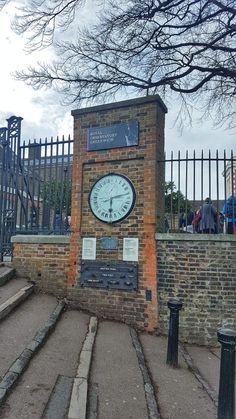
x: 128, y: 382
x: 116, y: 371
x: 179, y: 393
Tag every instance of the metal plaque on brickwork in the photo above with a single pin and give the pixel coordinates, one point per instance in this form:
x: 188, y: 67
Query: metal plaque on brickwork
x: 113, y: 136
x: 109, y: 243
x: 109, y: 275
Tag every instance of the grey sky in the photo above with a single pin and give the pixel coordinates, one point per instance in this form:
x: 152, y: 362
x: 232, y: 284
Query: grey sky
x: 45, y: 116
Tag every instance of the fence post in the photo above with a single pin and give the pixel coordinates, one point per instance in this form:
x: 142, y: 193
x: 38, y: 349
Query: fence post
x: 173, y: 335
x: 226, y: 403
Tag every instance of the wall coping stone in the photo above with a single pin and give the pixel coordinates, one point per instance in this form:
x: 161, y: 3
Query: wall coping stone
x: 195, y: 237
x: 24, y: 238
x: 121, y: 104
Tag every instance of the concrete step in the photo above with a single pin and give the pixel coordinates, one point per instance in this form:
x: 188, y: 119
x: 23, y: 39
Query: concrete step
x: 69, y: 396
x: 59, y: 400
x: 79, y: 395
x: 11, y: 287
x: 6, y: 273
x: 12, y: 302
x: 20, y: 326
x: 57, y: 357
x: 15, y: 371
x: 115, y: 369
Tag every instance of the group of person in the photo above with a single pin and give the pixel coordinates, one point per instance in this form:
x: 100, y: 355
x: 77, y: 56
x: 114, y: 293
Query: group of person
x: 205, y: 220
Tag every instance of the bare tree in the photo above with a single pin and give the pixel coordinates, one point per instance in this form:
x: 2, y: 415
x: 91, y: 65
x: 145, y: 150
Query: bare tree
x: 182, y: 47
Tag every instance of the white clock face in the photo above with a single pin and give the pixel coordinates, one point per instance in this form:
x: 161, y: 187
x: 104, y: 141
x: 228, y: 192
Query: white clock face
x: 112, y: 198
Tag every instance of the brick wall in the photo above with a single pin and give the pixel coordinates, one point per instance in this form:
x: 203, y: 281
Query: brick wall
x: 201, y: 271
x: 44, y: 260
x: 139, y: 164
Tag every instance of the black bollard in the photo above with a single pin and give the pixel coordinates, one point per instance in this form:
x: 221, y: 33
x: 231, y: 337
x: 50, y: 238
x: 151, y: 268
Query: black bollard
x: 226, y: 403
x: 173, y: 335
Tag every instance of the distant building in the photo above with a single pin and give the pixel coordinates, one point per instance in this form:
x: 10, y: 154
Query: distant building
x: 230, y: 177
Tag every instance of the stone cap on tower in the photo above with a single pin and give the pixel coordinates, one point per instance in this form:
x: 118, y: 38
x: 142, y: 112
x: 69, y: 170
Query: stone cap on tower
x: 122, y: 104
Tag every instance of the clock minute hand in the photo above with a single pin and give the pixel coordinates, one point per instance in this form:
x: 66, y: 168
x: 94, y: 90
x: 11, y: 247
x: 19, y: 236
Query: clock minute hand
x: 122, y: 194
x: 115, y: 196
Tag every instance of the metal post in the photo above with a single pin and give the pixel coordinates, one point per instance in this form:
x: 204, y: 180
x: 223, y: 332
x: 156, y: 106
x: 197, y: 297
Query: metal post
x: 173, y: 336
x: 226, y: 401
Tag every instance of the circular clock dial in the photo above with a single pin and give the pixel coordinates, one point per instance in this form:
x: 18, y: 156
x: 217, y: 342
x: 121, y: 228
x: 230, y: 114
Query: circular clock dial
x: 112, y: 198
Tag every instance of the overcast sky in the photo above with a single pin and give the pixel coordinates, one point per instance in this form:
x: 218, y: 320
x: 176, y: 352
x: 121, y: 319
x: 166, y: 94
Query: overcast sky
x: 45, y: 116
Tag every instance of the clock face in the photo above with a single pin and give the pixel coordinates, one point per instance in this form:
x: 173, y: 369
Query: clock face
x: 112, y: 198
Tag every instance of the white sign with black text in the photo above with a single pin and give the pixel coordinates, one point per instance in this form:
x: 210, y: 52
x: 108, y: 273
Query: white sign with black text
x: 130, y: 249
x: 89, y: 248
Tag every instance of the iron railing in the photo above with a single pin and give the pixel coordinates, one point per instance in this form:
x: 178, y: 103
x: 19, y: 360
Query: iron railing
x: 35, y: 185
x: 45, y: 186
x: 189, y: 180
x: 9, y: 171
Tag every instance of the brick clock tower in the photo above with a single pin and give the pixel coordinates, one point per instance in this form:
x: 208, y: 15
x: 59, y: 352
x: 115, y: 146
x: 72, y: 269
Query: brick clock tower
x: 117, y: 201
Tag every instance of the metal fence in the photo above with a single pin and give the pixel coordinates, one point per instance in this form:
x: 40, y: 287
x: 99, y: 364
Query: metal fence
x: 45, y: 186
x: 35, y: 185
x: 190, y: 180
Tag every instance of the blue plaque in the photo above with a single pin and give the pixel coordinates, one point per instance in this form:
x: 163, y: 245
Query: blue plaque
x: 114, y: 136
x: 109, y: 243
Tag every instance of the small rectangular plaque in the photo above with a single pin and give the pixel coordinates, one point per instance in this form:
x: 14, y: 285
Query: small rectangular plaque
x: 130, y: 249
x: 89, y: 248
x: 109, y: 243
x: 114, y: 136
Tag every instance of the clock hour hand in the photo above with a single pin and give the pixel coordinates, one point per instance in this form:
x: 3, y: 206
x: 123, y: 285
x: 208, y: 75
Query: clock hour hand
x: 110, y: 209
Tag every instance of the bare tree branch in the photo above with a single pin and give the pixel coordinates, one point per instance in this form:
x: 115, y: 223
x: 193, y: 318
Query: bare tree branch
x: 41, y: 19
x: 182, y: 47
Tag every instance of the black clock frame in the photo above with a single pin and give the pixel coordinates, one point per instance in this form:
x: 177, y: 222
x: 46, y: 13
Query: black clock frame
x: 133, y: 203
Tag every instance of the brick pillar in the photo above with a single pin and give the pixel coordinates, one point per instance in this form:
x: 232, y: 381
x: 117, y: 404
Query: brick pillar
x: 139, y: 164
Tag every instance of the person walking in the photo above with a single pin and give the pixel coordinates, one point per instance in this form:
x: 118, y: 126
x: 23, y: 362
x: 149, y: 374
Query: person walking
x: 208, y: 217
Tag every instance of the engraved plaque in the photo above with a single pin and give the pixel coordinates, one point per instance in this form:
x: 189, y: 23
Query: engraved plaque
x: 109, y: 275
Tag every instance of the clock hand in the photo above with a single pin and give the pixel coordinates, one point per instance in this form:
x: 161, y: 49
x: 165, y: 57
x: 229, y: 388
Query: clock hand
x: 115, y: 196
x: 110, y: 209
x: 122, y: 194
x: 106, y: 200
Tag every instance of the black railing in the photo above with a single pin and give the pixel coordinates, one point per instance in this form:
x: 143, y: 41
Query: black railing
x: 45, y: 185
x: 195, y: 183
x: 35, y: 185
x: 9, y: 166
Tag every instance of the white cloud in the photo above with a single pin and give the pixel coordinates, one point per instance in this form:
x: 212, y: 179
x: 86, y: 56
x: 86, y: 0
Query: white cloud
x: 45, y: 116
x: 201, y: 136
x: 40, y: 109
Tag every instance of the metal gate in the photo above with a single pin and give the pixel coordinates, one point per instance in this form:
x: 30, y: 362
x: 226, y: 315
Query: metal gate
x: 35, y: 185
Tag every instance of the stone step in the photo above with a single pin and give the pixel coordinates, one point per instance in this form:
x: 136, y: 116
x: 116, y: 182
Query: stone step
x: 21, y: 363
x: 6, y: 273
x: 78, y: 401
x: 59, y: 399
x: 12, y: 302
